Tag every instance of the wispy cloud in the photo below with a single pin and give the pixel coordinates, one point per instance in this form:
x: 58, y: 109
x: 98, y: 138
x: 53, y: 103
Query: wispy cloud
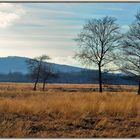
x: 125, y: 28
x: 54, y: 12
x: 62, y: 60
x: 38, y: 28
x: 9, y: 14
x: 115, y: 9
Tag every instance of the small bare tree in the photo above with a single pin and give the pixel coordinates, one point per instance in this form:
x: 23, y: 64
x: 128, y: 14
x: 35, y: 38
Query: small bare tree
x: 129, y: 60
x: 97, y: 42
x: 35, y: 66
x: 46, y: 72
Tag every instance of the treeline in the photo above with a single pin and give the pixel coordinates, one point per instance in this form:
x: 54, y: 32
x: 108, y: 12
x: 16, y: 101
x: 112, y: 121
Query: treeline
x: 83, y: 77
x: 14, y: 77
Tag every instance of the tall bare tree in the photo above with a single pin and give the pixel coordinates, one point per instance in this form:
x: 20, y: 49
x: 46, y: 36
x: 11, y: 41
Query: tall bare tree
x: 35, y: 66
x: 97, y: 43
x: 129, y: 61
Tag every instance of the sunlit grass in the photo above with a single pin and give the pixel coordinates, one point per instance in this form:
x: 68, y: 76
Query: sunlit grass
x: 24, y: 112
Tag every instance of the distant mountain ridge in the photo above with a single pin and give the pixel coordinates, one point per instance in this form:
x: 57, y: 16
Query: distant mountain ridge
x: 14, y: 69
x: 12, y: 64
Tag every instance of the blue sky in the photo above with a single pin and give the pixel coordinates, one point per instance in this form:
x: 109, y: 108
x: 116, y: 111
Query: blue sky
x: 32, y: 29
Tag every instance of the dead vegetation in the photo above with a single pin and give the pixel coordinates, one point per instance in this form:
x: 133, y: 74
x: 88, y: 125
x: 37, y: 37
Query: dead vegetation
x: 27, y: 113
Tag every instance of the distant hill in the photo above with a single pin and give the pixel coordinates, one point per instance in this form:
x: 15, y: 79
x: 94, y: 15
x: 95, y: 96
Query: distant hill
x: 13, y: 64
x: 14, y: 69
x: 18, y: 64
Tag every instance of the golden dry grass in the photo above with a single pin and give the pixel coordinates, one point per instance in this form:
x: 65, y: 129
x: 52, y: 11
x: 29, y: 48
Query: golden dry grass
x: 78, y: 103
x: 66, y: 113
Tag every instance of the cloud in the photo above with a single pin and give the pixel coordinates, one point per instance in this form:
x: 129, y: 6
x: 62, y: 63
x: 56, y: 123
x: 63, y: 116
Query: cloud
x: 9, y: 14
x: 36, y: 47
x: 125, y: 28
x: 41, y: 28
x: 65, y: 61
x: 55, y: 12
x: 115, y: 9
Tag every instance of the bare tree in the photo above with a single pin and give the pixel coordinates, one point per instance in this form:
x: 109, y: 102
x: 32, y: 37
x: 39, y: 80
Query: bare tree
x: 34, y: 66
x: 129, y: 61
x: 46, y: 72
x: 97, y: 42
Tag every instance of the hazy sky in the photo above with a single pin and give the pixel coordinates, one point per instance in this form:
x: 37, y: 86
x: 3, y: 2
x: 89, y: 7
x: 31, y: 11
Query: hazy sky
x: 28, y: 29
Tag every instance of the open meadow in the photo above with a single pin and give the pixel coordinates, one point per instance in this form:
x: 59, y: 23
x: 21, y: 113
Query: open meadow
x: 47, y: 46
x: 69, y: 110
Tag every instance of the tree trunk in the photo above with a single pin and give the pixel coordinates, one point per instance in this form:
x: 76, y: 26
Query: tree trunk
x: 139, y: 88
x: 100, y: 79
x: 35, y: 86
x: 37, y: 78
x: 44, y: 85
x: 36, y: 81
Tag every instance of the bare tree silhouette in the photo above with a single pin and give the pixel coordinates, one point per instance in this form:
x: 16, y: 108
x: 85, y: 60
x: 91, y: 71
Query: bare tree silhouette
x: 35, y: 66
x: 97, y: 42
x: 129, y: 56
x: 46, y: 72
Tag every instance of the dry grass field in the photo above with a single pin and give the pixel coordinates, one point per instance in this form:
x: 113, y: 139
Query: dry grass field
x: 69, y: 110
